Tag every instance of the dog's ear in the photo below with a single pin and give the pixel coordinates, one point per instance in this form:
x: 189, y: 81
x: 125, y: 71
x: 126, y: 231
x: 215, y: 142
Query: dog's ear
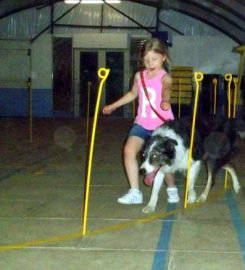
x: 168, y: 146
x: 168, y: 143
x: 171, y: 141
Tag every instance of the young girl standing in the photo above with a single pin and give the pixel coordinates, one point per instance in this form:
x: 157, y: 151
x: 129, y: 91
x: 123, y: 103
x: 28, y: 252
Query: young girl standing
x: 158, y: 83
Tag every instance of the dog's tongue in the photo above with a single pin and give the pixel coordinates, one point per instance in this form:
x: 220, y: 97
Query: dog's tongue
x: 150, y: 177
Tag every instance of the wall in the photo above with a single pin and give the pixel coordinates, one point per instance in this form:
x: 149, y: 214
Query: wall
x: 208, y: 54
x: 211, y: 55
x: 42, y: 83
x: 101, y: 41
x: 14, y: 93
x: 20, y: 61
x: 14, y: 73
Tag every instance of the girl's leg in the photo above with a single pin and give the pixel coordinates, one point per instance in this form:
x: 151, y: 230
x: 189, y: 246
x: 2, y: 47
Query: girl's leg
x: 172, y: 191
x: 131, y: 149
x: 169, y: 180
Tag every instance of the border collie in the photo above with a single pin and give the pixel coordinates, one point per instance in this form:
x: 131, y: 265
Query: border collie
x: 168, y: 148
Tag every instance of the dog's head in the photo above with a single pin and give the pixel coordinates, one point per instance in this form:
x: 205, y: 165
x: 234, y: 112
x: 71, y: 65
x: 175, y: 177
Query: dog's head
x: 158, y: 152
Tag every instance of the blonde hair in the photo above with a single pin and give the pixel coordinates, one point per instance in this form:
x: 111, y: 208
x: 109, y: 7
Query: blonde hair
x: 156, y: 45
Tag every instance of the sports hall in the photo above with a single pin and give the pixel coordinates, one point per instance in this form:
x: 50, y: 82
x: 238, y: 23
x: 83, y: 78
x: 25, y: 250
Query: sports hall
x: 61, y: 158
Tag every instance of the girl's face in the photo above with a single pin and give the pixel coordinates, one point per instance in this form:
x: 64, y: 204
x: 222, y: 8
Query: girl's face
x: 153, y: 61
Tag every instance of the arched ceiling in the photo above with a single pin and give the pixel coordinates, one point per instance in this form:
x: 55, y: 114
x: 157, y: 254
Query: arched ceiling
x: 224, y: 15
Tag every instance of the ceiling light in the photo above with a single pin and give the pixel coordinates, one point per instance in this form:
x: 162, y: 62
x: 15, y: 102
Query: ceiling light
x: 92, y: 1
x: 100, y: 1
x: 72, y: 1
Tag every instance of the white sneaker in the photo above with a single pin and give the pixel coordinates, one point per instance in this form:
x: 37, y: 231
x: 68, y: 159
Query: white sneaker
x: 134, y: 196
x: 173, y: 196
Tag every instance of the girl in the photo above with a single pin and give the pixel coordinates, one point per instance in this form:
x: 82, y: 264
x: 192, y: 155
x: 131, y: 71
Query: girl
x: 158, y: 82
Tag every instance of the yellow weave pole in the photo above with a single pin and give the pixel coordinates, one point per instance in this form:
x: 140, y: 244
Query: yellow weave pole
x: 179, y: 99
x: 29, y: 86
x: 103, y: 74
x: 228, y: 78
x: 198, y: 78
x: 215, y: 81
x: 235, y: 81
x: 88, y: 111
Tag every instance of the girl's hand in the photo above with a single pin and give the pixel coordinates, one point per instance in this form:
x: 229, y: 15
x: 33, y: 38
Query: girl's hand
x: 107, y: 109
x: 165, y: 105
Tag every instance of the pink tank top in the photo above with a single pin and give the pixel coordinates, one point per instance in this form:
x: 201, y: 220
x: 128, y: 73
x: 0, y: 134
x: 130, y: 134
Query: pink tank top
x: 145, y: 115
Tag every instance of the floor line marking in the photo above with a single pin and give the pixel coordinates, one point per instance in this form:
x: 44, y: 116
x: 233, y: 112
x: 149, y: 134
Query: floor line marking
x: 160, y: 258
x: 237, y: 221
x: 109, y: 228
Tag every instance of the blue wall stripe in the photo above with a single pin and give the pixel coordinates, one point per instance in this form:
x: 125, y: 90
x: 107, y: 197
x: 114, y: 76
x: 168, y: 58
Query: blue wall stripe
x: 161, y: 255
x: 14, y: 102
x: 42, y: 102
x: 237, y: 221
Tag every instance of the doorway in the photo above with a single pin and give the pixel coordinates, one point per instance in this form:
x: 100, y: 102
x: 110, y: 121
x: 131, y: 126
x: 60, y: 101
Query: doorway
x: 62, y: 74
x: 115, y: 82
x: 86, y: 81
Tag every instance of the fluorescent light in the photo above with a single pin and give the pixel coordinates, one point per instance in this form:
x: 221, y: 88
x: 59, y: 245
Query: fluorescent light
x: 72, y: 1
x: 100, y: 1
x: 92, y: 1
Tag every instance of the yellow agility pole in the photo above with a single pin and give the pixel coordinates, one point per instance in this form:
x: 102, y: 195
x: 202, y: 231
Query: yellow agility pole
x: 215, y: 95
x: 235, y: 80
x: 198, y: 78
x: 228, y: 78
x: 103, y: 74
x: 88, y: 110
x: 179, y: 99
x: 29, y: 86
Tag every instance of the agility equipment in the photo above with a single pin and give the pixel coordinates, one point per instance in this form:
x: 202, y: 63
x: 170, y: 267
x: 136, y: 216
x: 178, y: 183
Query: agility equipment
x: 235, y: 81
x: 228, y: 78
x: 103, y: 74
x: 182, y: 90
x: 179, y: 99
x: 215, y: 81
x: 198, y: 78
x: 29, y: 87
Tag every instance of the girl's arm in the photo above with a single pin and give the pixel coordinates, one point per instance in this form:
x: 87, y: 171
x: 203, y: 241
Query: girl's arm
x: 125, y: 99
x: 166, y: 92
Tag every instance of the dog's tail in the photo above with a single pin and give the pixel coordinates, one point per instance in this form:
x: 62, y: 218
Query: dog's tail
x: 240, y: 128
x: 220, y: 141
x: 234, y: 127
x: 216, y: 145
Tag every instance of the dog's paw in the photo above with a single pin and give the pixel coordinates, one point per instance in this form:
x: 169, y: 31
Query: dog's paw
x: 148, y: 209
x: 192, y: 197
x: 237, y: 188
x: 202, y: 198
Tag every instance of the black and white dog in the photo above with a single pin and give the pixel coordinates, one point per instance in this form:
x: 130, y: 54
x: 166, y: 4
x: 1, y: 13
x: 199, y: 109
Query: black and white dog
x: 168, y: 149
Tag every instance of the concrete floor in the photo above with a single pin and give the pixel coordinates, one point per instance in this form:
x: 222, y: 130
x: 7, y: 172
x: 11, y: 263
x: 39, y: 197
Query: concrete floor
x: 41, y: 213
